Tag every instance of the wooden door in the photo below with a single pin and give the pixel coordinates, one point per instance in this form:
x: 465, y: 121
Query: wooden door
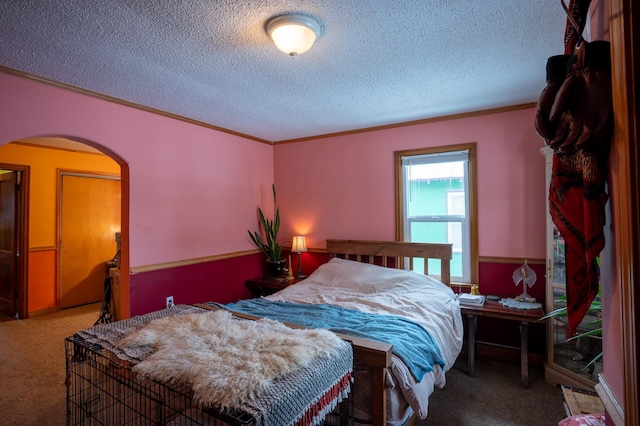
x: 89, y: 219
x: 8, y: 243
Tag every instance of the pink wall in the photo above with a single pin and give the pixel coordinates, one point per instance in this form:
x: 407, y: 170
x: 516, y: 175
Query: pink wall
x: 189, y: 197
x: 318, y: 179
x: 193, y: 190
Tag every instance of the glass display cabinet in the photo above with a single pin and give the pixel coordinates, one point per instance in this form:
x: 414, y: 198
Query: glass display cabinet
x: 567, y: 359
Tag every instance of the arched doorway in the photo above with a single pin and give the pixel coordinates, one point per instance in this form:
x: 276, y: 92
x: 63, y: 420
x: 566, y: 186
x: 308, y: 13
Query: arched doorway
x: 46, y: 158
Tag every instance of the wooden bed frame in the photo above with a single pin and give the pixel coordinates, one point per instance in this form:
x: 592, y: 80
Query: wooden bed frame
x: 393, y: 254
x: 389, y: 254
x: 385, y: 251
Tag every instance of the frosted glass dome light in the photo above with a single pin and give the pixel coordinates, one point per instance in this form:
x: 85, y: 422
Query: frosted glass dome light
x: 293, y: 34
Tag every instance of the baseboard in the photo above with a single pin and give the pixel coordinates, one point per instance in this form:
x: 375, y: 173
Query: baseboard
x: 611, y: 404
x: 43, y: 311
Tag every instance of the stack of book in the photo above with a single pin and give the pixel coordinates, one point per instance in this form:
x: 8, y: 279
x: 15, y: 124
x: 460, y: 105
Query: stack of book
x: 467, y: 299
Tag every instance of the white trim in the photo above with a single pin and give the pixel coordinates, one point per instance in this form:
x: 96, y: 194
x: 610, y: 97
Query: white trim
x: 611, y: 404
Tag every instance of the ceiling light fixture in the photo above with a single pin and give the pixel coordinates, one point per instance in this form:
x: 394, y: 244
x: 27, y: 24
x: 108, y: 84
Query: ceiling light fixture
x: 293, y: 34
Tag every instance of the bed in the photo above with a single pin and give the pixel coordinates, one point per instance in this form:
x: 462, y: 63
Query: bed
x: 367, y: 276
x: 392, y: 396
x: 189, y: 365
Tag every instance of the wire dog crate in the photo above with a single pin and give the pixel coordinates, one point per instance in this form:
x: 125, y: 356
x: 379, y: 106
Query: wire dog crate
x: 102, y: 390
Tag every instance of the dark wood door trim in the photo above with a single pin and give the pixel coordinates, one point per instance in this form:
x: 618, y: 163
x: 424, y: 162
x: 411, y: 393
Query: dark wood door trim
x: 22, y: 229
x: 625, y: 69
x: 9, y: 221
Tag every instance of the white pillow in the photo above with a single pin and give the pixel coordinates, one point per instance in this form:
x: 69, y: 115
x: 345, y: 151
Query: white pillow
x: 366, y: 277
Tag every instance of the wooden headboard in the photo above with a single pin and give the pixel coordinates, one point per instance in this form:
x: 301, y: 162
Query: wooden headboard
x: 368, y: 251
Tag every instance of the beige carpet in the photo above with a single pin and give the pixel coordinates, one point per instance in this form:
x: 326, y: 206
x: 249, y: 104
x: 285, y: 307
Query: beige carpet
x: 32, y: 374
x: 32, y: 365
x: 494, y: 397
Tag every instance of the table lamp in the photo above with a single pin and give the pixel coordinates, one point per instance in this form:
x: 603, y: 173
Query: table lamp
x: 298, y: 245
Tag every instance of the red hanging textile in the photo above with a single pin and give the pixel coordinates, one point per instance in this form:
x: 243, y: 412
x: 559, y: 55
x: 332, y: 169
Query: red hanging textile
x: 577, y: 195
x: 577, y: 199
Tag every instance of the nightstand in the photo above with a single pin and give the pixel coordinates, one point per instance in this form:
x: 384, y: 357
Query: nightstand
x: 264, y: 286
x: 493, y: 309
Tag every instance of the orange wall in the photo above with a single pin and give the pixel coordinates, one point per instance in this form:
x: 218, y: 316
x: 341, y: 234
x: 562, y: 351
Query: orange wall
x: 42, y: 280
x: 44, y: 164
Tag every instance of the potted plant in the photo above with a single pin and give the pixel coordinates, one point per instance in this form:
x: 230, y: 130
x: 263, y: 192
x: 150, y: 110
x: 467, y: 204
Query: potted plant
x: 594, y: 327
x: 269, y: 245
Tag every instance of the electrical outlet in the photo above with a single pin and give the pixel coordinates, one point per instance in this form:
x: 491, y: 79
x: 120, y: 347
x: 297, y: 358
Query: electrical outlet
x: 169, y: 301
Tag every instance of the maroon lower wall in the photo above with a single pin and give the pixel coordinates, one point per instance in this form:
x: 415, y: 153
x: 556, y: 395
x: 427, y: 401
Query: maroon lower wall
x: 219, y: 281
x: 496, y: 279
x: 222, y: 281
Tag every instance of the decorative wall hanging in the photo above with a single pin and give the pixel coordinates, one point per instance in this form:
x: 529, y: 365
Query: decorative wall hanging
x: 574, y: 117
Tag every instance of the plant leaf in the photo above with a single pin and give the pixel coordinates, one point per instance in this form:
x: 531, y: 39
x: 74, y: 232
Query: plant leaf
x: 560, y: 312
x: 595, y: 333
x: 269, y: 246
x: 595, y: 358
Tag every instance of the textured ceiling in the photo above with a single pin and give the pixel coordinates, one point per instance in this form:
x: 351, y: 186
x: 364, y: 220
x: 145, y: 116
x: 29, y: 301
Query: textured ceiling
x: 377, y: 62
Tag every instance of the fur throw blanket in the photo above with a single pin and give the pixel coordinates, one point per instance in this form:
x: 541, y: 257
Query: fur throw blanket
x: 227, y: 361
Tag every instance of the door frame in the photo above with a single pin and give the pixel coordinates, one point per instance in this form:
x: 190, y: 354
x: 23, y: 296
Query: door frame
x: 22, y: 238
x: 625, y: 71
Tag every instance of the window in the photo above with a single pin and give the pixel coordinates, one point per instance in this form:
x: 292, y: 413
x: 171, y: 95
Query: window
x: 436, y: 203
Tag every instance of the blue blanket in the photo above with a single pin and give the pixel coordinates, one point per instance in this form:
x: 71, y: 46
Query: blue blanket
x: 411, y: 342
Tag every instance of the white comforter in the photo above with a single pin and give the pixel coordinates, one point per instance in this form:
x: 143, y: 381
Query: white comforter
x: 377, y: 289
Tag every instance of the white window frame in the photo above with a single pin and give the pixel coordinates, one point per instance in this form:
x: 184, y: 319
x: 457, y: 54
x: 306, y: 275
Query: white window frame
x: 457, y: 241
